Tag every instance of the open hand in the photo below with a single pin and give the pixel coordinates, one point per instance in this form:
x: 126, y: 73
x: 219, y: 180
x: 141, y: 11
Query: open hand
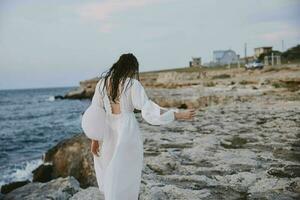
x: 186, y: 115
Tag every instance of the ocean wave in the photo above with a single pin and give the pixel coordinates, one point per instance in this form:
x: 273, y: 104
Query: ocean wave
x: 19, y: 172
x: 51, y: 98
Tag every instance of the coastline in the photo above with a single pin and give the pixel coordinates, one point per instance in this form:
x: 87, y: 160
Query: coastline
x: 244, y: 142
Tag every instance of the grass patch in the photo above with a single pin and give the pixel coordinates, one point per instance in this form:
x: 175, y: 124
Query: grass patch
x: 180, y: 69
x: 192, y: 69
x: 277, y: 85
x: 246, y: 82
x: 221, y: 76
x: 276, y: 69
x: 209, y: 84
x: 291, y: 85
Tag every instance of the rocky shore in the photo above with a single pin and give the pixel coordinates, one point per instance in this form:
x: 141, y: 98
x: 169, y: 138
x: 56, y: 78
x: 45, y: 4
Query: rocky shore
x: 243, y: 144
x: 205, y: 87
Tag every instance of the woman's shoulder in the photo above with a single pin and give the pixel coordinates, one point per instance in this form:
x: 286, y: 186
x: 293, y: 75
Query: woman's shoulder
x: 99, y: 82
x: 136, y: 84
x: 136, y: 81
x: 99, y: 85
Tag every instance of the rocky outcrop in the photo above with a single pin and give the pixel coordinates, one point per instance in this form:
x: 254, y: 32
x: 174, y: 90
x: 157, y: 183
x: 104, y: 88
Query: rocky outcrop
x: 84, y: 91
x: 199, y: 88
x: 70, y: 157
x: 57, y: 189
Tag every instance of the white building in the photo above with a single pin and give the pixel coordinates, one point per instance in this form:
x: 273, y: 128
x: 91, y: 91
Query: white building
x: 196, y: 62
x: 224, y: 57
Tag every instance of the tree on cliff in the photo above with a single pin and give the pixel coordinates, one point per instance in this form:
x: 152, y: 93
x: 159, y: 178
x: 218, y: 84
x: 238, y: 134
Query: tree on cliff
x: 290, y: 55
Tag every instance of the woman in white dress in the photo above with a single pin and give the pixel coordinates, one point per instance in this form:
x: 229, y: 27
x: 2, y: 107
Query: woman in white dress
x: 110, y: 122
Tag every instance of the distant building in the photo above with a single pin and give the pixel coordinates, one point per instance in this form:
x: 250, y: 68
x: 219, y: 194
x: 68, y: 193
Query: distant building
x: 224, y: 57
x: 262, y: 50
x: 247, y: 59
x: 196, y: 62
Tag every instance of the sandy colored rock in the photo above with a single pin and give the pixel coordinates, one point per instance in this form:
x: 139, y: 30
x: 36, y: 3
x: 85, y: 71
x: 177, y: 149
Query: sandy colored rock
x: 72, y: 157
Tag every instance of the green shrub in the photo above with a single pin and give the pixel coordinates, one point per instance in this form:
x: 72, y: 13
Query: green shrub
x: 209, y: 84
x: 221, y: 76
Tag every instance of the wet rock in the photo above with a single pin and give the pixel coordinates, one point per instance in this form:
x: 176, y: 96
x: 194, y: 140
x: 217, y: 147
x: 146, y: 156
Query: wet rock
x: 57, y: 189
x: 11, y: 186
x: 43, y: 173
x: 58, y: 97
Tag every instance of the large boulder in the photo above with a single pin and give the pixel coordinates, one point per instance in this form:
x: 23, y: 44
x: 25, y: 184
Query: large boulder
x: 70, y: 157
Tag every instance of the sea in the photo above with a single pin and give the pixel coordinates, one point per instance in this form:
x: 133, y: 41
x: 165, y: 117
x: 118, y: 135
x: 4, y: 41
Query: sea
x: 31, y: 122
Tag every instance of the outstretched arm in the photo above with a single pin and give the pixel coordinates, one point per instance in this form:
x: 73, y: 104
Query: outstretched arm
x: 152, y: 112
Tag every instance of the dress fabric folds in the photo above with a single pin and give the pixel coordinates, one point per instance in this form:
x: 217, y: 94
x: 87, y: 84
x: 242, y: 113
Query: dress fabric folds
x: 119, y: 167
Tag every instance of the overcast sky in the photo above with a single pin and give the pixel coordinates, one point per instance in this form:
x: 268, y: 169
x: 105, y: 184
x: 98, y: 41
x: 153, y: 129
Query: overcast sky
x: 60, y: 42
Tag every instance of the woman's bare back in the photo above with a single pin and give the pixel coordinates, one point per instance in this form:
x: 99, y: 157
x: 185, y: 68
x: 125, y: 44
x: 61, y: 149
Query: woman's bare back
x: 115, y: 107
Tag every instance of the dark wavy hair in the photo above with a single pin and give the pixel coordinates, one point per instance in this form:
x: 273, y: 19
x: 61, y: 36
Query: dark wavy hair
x: 127, y: 66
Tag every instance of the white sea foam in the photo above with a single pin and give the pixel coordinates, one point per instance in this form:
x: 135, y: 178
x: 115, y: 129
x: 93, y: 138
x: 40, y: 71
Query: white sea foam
x: 51, y: 98
x: 20, y: 173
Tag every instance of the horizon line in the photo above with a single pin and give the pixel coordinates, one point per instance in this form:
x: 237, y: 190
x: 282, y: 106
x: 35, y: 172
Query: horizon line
x: 36, y: 88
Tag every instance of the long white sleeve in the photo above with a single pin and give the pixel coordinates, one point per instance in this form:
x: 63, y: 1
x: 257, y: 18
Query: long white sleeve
x: 149, y: 109
x: 96, y: 100
x: 94, y: 118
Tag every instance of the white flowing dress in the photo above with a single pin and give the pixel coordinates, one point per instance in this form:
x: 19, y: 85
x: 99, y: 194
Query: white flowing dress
x: 119, y: 167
